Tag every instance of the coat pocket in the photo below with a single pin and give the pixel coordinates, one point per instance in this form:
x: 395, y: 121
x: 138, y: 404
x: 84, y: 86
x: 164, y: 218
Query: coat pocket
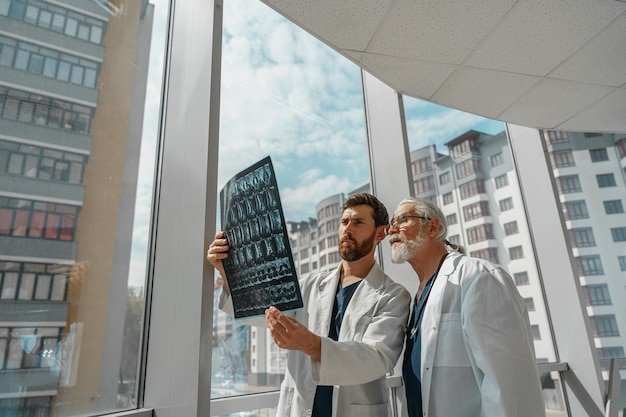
x: 450, y: 343
x: 285, y: 400
x: 369, y: 410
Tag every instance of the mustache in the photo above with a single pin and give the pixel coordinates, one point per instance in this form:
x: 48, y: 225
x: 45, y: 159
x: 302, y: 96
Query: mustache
x: 346, y: 239
x: 396, y: 237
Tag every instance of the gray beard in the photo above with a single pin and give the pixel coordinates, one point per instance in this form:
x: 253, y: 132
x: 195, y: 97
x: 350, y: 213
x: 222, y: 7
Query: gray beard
x: 406, y: 249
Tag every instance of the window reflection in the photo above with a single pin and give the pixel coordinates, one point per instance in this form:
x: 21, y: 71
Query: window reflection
x: 73, y: 78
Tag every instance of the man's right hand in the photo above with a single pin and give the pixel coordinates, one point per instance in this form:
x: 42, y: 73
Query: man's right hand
x: 218, y: 250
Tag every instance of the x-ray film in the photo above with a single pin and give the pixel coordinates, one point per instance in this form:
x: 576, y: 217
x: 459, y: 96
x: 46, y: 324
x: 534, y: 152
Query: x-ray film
x: 259, y: 268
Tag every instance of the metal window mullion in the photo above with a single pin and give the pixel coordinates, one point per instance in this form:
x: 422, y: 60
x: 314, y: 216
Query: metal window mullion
x: 571, y: 330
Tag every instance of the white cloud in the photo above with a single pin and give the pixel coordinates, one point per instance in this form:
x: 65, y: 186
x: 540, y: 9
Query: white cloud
x: 305, y: 197
x: 439, y: 128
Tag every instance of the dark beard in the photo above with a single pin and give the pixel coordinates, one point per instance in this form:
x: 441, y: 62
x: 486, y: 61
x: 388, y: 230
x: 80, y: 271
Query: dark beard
x: 359, y: 251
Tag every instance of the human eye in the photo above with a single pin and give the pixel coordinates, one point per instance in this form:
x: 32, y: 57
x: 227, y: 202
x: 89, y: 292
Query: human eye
x: 401, y: 220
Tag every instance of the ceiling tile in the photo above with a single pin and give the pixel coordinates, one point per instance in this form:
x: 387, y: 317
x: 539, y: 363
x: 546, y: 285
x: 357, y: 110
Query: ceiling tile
x: 601, y: 61
x: 437, y: 30
x: 485, y: 92
x: 537, y: 35
x: 606, y: 115
x: 414, y: 78
x: 343, y: 24
x: 550, y: 102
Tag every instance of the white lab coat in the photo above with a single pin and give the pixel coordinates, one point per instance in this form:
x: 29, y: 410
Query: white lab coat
x: 370, y: 342
x: 478, y: 358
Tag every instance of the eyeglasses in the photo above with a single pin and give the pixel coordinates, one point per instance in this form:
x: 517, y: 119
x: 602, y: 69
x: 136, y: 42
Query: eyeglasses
x: 400, y: 221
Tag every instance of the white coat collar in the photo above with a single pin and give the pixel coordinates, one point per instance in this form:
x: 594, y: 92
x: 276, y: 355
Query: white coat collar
x: 367, y: 295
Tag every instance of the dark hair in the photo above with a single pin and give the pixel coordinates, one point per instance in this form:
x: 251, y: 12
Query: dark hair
x: 380, y: 215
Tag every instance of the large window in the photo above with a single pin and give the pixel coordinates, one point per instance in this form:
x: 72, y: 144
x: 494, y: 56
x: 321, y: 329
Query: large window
x: 313, y: 128
x: 78, y: 140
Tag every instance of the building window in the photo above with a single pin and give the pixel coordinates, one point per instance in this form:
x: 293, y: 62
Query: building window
x: 456, y: 239
x: 469, y: 167
x: 476, y: 210
x: 421, y: 165
x: 568, y: 184
x: 576, y: 210
x: 516, y: 252
x: 534, y: 331
x: 561, y: 159
x: 596, y: 295
x: 490, y: 254
x: 445, y: 178
x: 451, y: 219
x: 464, y: 147
x: 37, y: 219
x: 424, y: 185
x: 57, y: 19
x: 621, y: 147
x: 510, y: 228
x: 506, y: 204
x: 557, y: 137
x: 619, y: 234
x: 480, y: 233
x: 611, y: 352
x: 34, y: 281
x: 604, y: 326
x: 530, y: 304
x: 37, y: 162
x: 606, y: 180
x: 598, y: 155
x: 496, y: 159
x: 613, y: 207
x: 45, y: 61
x: 622, y: 262
x: 314, y: 266
x: 448, y: 198
x: 501, y: 181
x: 472, y: 188
x: 582, y: 237
x: 521, y: 278
x: 304, y: 253
x: 44, y: 111
x: 589, y: 265
x: 304, y: 268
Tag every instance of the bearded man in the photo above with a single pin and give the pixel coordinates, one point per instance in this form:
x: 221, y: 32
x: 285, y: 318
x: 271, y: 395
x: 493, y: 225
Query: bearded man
x: 349, y: 334
x: 469, y: 333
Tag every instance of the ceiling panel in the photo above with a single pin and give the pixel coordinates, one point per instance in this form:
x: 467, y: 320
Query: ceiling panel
x: 342, y: 24
x: 537, y: 35
x: 602, y: 60
x: 487, y: 93
x: 606, y: 115
x: 551, y: 102
x: 417, y: 79
x: 437, y: 30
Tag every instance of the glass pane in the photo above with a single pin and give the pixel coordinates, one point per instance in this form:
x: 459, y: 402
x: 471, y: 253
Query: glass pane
x: 483, y: 192
x: 594, y: 217
x: 304, y: 108
x: 74, y: 233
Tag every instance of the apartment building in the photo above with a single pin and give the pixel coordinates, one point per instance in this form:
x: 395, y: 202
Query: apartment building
x: 69, y: 151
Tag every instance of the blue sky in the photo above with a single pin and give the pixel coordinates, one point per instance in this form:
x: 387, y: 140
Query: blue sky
x: 287, y: 95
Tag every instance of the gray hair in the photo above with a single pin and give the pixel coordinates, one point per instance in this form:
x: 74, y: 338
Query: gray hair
x: 429, y: 210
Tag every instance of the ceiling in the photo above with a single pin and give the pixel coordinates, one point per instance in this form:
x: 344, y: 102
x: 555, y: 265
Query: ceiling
x: 549, y: 64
